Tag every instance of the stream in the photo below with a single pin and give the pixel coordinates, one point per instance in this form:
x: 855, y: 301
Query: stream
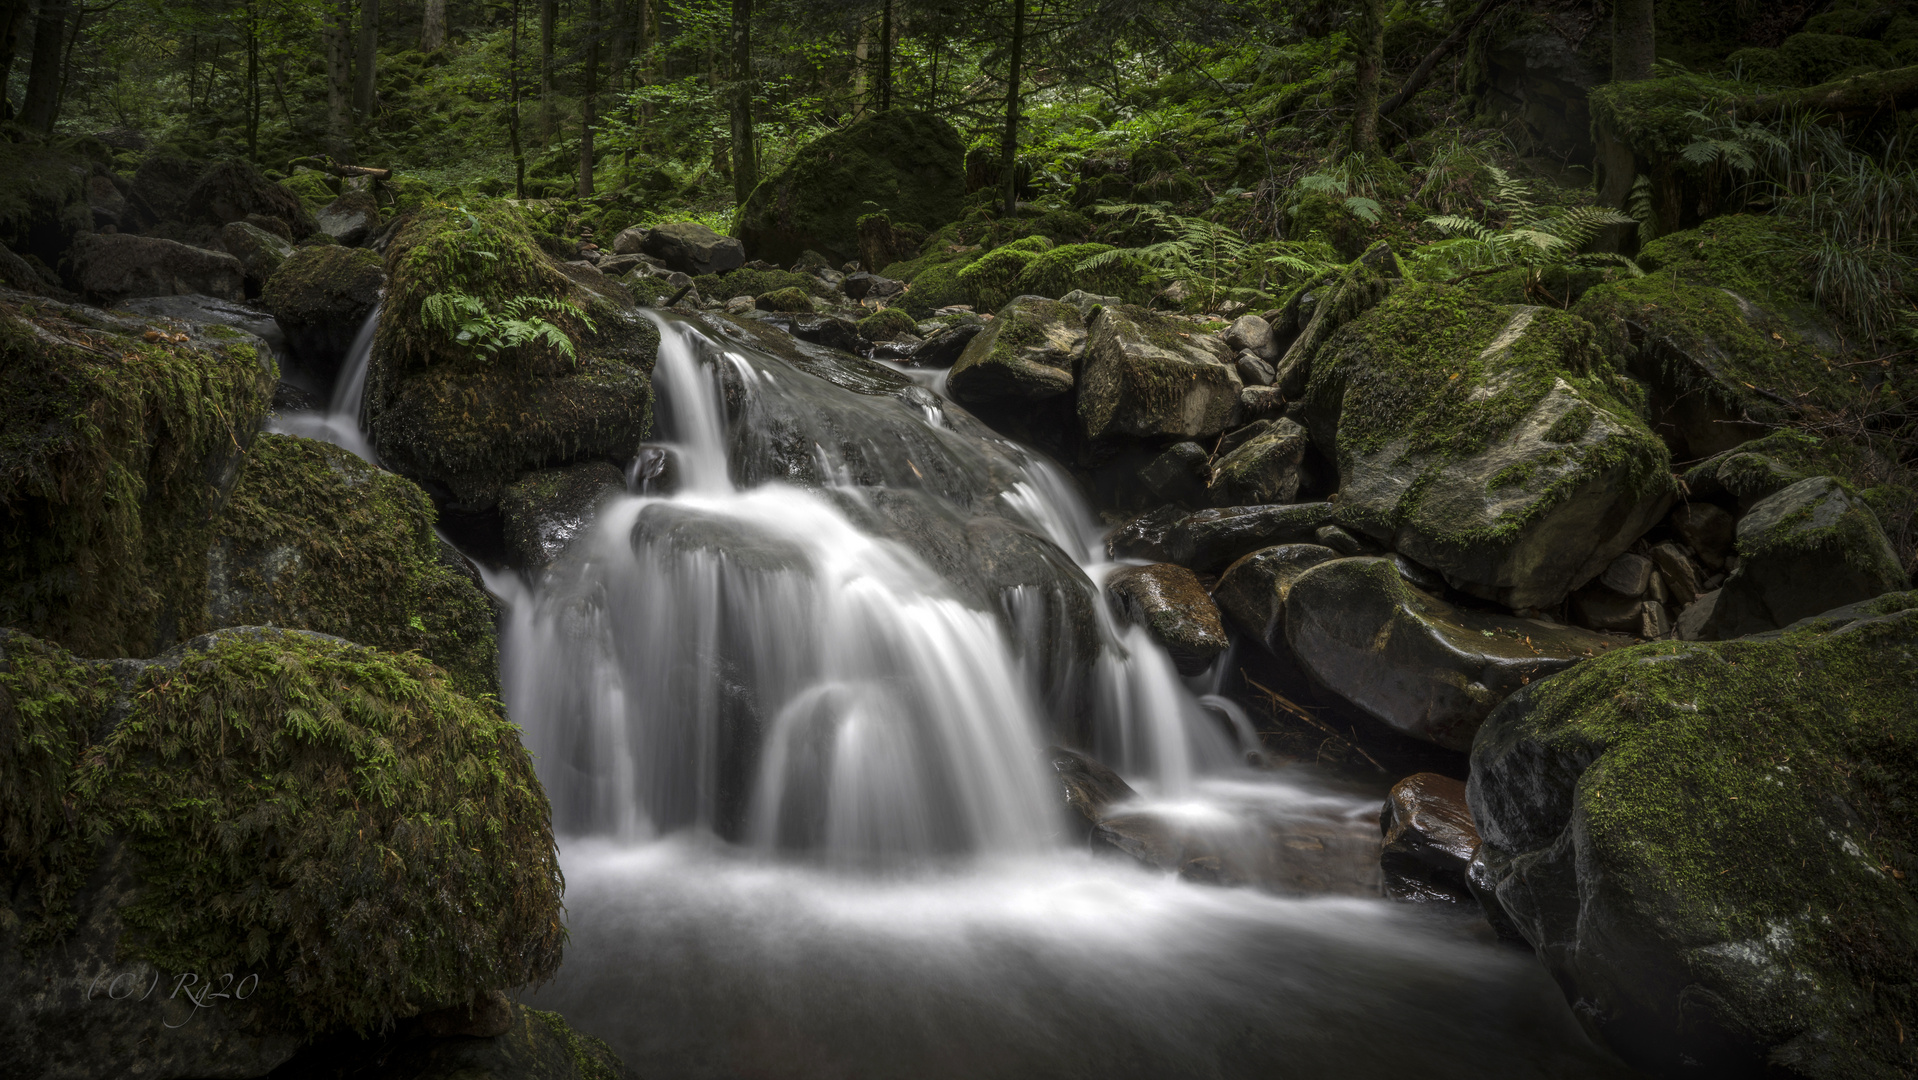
x: 789, y: 698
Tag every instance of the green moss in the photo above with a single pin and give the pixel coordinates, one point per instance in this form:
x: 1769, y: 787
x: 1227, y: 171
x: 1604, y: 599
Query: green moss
x: 790, y: 300
x: 1721, y: 776
x: 887, y: 324
x: 592, y: 1058
x: 305, y: 284
x: 933, y: 288
x: 1659, y: 117
x: 1818, y: 58
x: 115, y: 456
x: 313, y: 188
x: 1056, y: 273
x: 747, y: 282
x: 365, y: 564
x: 331, y: 817
x: 992, y: 279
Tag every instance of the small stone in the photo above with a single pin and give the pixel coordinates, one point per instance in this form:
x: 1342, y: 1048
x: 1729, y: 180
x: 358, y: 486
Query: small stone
x: 739, y: 305
x: 1680, y: 574
x: 1249, y: 333
x: 1654, y: 621
x: 1697, y: 614
x: 1254, y: 371
x: 1180, y: 474
x: 1169, y: 602
x: 1629, y: 575
x: 1430, y: 840
x: 1599, y: 608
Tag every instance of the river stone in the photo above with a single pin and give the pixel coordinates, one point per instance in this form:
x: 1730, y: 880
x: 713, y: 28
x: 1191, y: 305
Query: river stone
x: 260, y: 252
x: 116, y: 266
x: 1026, y: 353
x: 1180, y: 474
x: 233, y: 190
x: 1087, y: 787
x: 1253, y: 371
x: 1145, y: 377
x: 1279, y: 850
x: 1249, y: 333
x: 1252, y: 591
x: 1491, y: 444
x: 1412, y: 661
x: 1169, y: 601
x: 1812, y: 546
x: 1678, y: 571
x: 1144, y: 536
x: 351, y: 218
x: 1263, y: 469
x: 545, y: 511
x: 1629, y: 575
x: 630, y: 241
x: 1651, y: 820
x: 321, y: 296
x: 944, y: 350
x: 1430, y: 840
x: 1209, y: 540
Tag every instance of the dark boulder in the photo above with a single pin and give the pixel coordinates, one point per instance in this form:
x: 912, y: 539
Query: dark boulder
x: 43, y: 199
x: 1209, y: 540
x: 1430, y: 840
x: 234, y: 190
x: 351, y: 219
x: 1253, y: 589
x: 1088, y: 789
x: 1170, y: 603
x: 1812, y: 546
x: 116, y: 266
x: 259, y: 251
x: 321, y: 296
x: 1145, y: 377
x: 546, y: 510
x: 692, y: 248
x: 1262, y: 469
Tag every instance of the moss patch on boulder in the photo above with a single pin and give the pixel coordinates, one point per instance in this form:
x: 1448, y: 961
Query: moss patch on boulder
x: 992, y: 278
x: 749, y: 282
x: 1056, y: 272
x: 887, y: 324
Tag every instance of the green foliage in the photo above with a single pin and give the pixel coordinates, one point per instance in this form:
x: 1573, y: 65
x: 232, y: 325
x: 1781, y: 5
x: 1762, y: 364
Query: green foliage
x: 887, y: 324
x: 1204, y: 259
x: 467, y: 321
x: 1531, y: 240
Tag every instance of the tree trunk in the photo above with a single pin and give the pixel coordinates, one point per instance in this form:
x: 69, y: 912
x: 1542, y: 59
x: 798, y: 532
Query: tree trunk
x: 512, y: 79
x: 66, y: 59
x: 589, y: 102
x: 885, y: 56
x: 43, y: 78
x: 1617, y: 166
x: 548, y: 119
x: 1009, y: 142
x: 1633, y: 40
x: 252, y: 80
x: 368, y: 60
x: 13, y: 25
x: 620, y: 43
x: 745, y: 154
x: 433, y: 27
x: 1416, y: 81
x: 1368, y: 33
x: 859, y: 53
x: 339, y: 80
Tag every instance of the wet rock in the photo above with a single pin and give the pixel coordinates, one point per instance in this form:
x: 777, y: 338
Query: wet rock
x: 321, y: 296
x: 260, y: 252
x: 1249, y: 333
x: 1144, y: 537
x: 545, y: 511
x: 1488, y: 443
x: 1430, y: 840
x: 692, y: 248
x: 1252, y: 591
x: 188, y: 313
x: 351, y: 218
x: 1807, y: 549
x: 1169, y: 601
x: 1088, y: 788
x: 1708, y: 529
x: 115, y: 266
x: 1412, y: 661
x: 1027, y: 353
x: 1145, y: 377
x: 944, y: 350
x: 1263, y: 469
x: 1209, y: 540
x: 1338, y: 540
x: 1180, y: 474
x: 1696, y: 836
x: 1287, y: 853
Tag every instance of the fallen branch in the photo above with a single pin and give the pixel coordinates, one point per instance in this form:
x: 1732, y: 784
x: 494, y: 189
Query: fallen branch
x: 1423, y: 72
x: 1281, y: 701
x: 1877, y: 91
x: 359, y: 170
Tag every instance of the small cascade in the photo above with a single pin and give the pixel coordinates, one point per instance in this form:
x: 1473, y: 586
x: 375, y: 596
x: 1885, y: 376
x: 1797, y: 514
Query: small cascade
x: 339, y: 422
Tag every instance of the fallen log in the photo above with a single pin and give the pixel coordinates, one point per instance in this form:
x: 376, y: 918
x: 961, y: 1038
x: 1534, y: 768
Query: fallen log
x: 1453, y: 40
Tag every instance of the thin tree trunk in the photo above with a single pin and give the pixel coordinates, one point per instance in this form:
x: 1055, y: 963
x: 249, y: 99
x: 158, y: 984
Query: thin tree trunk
x: 13, y: 24
x: 339, y: 80
x: 66, y: 62
x: 43, y: 78
x: 621, y: 41
x: 433, y: 27
x: 1617, y: 165
x: 885, y: 56
x: 252, y: 81
x: 548, y: 15
x: 512, y: 78
x: 1368, y: 33
x: 368, y: 60
x: 1009, y: 142
x: 589, y: 103
x: 1416, y: 81
x: 859, y: 53
x: 745, y: 154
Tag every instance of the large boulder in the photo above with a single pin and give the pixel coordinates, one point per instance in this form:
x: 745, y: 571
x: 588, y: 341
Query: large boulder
x: 909, y: 164
x: 1145, y: 377
x: 692, y: 248
x: 1210, y: 540
x: 1495, y: 445
x: 115, y: 266
x: 1026, y: 353
x: 160, y: 186
x: 465, y: 417
x: 258, y: 837
x: 116, y: 455
x: 1263, y: 469
x: 313, y: 538
x: 320, y: 296
x: 1252, y: 591
x: 231, y: 191
x: 1709, y: 845
x: 260, y: 252
x: 1171, y: 604
x: 1412, y: 661
x: 351, y: 218
x: 1810, y: 547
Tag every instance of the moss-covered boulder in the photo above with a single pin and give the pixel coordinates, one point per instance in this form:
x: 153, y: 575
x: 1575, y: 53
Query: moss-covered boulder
x: 1056, y: 272
x: 1498, y: 446
x: 328, y: 833
x: 466, y: 415
x: 544, y: 511
x: 1144, y: 376
x: 910, y: 165
x: 320, y: 296
x: 1262, y: 469
x: 313, y: 538
x: 230, y: 191
x: 1710, y: 845
x: 116, y: 456
x: 887, y: 324
x: 1026, y: 353
x: 1724, y: 331
x: 259, y: 251
x: 1412, y: 661
x: 993, y: 278
x: 749, y: 282
x: 1804, y: 550
x: 788, y: 300
x: 934, y: 287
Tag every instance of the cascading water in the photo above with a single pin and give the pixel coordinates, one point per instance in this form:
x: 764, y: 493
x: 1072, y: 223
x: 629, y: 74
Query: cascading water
x: 339, y: 422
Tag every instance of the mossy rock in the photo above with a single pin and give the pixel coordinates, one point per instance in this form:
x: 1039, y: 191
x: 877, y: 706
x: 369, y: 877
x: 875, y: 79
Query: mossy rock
x: 887, y: 324
x: 1711, y: 848
x: 749, y: 282
x: 1056, y: 272
x: 932, y: 288
x: 43, y: 198
x: 1818, y: 58
x: 1147, y: 376
x: 787, y: 300
x: 909, y: 164
x: 333, y: 819
x: 1498, y: 446
x: 116, y: 456
x: 315, y: 189
x: 1658, y: 118
x: 1026, y: 353
x: 444, y: 412
x: 992, y: 279
x: 313, y: 538
x: 1723, y: 328
x: 1813, y: 546
x: 546, y: 510
x: 321, y: 295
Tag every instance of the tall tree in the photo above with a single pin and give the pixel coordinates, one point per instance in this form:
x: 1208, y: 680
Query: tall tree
x: 548, y: 116
x: 42, y: 101
x: 512, y: 81
x: 1368, y: 33
x: 619, y: 43
x: 250, y: 11
x: 740, y: 103
x: 1009, y: 142
x: 338, y: 33
x: 1632, y: 54
x: 433, y: 27
x: 13, y: 25
x: 885, y: 55
x: 589, y: 103
x: 369, y: 59
x: 1633, y: 40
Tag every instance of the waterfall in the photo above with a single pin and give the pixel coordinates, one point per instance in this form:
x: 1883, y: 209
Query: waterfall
x: 339, y: 422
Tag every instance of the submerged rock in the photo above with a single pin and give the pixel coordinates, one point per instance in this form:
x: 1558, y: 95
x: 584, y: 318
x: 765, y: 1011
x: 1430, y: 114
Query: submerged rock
x: 1812, y: 546
x: 1088, y: 789
x: 1412, y: 661
x: 1709, y: 844
x: 1169, y: 601
x: 1144, y: 377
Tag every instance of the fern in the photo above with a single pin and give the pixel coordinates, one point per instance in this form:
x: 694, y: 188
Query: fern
x: 1532, y: 240
x: 1640, y: 207
x: 1194, y: 253
x: 520, y: 321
